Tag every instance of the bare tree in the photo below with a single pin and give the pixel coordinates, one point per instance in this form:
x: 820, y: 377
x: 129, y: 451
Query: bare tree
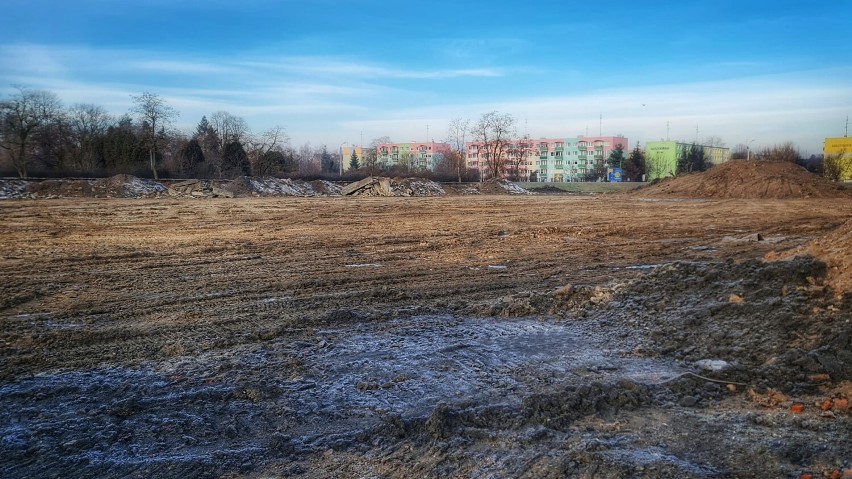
x: 657, y: 168
x: 494, y: 132
x: 370, y: 160
x: 457, y: 132
x: 153, y: 113
x: 371, y: 155
x: 88, y: 122
x: 785, y: 152
x: 222, y: 128
x: 21, y: 117
x: 307, y: 159
x: 454, y: 163
x: 713, y: 141
x: 228, y: 128
x: 518, y: 154
x: 405, y: 161
x: 739, y: 152
x: 272, y: 140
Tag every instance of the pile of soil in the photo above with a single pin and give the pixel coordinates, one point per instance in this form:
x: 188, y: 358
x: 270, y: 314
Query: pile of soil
x: 833, y: 249
x: 769, y: 324
x: 774, y: 324
x: 748, y: 179
x: 495, y: 186
x: 127, y: 186
x: 268, y: 186
x: 464, y: 189
x: 118, y: 186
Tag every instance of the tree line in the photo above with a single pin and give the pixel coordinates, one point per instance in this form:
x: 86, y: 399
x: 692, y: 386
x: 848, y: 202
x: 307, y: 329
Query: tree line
x: 39, y: 136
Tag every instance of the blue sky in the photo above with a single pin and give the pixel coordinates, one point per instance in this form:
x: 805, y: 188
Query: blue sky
x: 332, y: 70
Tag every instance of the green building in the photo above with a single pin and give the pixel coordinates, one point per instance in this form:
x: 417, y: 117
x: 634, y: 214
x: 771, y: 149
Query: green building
x: 661, y: 157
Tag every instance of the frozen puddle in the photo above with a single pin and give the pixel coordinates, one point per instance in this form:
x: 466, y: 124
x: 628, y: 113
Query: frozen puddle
x: 230, y: 409
x: 409, y: 367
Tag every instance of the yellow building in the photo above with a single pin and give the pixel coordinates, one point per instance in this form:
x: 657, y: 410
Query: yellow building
x: 838, y: 152
x: 346, y: 155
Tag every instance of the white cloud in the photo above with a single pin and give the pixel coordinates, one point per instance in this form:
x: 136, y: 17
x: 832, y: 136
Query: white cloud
x: 803, y: 107
x: 343, y: 69
x: 329, y: 99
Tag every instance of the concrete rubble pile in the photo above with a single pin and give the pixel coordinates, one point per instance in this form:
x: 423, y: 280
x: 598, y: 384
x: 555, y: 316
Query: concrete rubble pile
x: 198, y: 189
x: 269, y: 186
x: 12, y: 188
x: 383, y: 186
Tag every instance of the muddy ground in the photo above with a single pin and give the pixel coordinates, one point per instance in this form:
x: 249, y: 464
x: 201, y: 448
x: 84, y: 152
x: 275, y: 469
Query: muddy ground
x: 487, y: 336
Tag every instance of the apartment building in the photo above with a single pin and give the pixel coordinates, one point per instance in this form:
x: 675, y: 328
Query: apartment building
x: 415, y: 155
x: 517, y: 158
x: 661, y: 157
x: 346, y: 155
x: 549, y: 159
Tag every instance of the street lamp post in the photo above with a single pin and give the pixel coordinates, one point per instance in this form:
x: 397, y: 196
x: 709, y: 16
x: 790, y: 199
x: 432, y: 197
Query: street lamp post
x: 748, y: 149
x: 341, y: 157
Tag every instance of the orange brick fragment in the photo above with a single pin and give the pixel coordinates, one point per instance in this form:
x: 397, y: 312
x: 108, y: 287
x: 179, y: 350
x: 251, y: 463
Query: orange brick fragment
x: 797, y: 408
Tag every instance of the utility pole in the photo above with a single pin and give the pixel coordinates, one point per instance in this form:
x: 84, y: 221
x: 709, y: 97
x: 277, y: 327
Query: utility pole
x: 667, y: 131
x: 600, y: 125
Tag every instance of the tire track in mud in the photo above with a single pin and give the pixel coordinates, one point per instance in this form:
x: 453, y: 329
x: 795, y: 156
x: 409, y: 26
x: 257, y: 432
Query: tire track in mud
x: 237, y: 410
x: 190, y: 338
x: 157, y: 271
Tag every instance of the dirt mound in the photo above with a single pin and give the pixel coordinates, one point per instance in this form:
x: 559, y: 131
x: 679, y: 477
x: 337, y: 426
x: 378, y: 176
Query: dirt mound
x: 126, y: 186
x: 267, y: 186
x: 60, y: 189
x: 833, y: 249
x: 748, y: 179
x: 495, y: 186
x: 118, y: 186
x: 773, y: 324
x: 464, y: 189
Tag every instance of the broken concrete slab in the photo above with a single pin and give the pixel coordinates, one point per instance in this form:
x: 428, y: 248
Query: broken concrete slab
x: 352, y: 188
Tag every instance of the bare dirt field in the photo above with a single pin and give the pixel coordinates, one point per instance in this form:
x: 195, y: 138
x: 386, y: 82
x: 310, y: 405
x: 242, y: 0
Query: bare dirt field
x: 460, y: 336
